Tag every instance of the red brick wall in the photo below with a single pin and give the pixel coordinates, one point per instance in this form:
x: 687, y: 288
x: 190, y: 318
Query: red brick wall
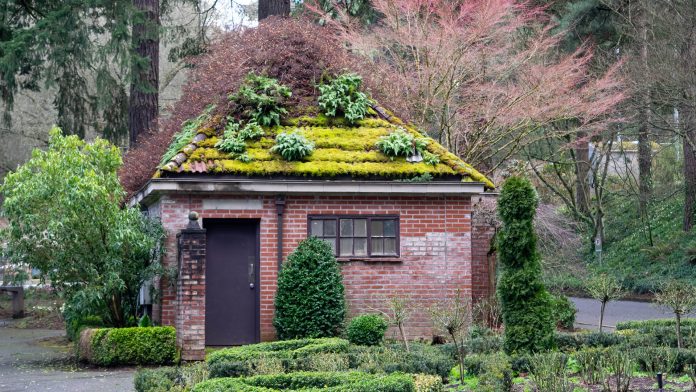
x: 435, y: 244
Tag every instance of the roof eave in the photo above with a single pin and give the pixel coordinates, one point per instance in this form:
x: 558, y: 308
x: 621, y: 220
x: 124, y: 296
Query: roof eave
x: 158, y: 186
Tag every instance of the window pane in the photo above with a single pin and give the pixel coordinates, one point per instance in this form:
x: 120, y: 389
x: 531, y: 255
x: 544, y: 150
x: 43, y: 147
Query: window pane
x: 330, y: 228
x: 360, y: 246
x: 389, y: 228
x: 360, y: 227
x: 317, y: 228
x: 346, y: 246
x: 346, y: 227
x: 389, y: 246
x: 377, y: 228
x: 332, y: 242
x: 377, y: 248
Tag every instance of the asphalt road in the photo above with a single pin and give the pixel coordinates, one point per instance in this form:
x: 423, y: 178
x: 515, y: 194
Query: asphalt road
x: 588, y: 312
x: 34, y: 360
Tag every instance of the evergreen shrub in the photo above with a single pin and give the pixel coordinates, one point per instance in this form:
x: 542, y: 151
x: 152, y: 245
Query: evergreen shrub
x: 525, y: 303
x: 367, y: 330
x: 310, y: 300
x: 563, y: 311
x: 130, y: 346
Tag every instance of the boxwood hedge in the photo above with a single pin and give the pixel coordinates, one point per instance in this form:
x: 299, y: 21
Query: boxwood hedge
x: 129, y: 346
x: 310, y: 382
x: 241, y: 361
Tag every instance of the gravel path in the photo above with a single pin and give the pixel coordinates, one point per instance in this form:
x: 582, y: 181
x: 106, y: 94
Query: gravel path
x: 588, y: 312
x: 35, y: 360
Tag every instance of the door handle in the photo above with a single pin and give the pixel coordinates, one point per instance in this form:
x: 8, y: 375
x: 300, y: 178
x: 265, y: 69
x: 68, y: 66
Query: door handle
x: 252, y: 275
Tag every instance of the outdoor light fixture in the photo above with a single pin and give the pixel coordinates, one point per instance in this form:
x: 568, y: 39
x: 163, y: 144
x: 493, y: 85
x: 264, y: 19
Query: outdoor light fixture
x: 659, y: 382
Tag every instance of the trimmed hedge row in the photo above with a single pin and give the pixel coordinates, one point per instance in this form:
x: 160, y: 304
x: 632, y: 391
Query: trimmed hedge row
x: 647, y: 325
x: 128, y: 346
x: 320, y: 381
x: 245, y: 360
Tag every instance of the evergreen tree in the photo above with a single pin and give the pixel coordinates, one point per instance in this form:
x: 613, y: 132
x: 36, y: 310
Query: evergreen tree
x: 310, y: 299
x: 526, y: 305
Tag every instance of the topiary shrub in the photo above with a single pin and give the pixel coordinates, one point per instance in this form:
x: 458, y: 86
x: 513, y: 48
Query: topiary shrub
x: 304, y: 381
x: 292, y: 146
x: 367, y: 330
x: 129, y: 346
x: 422, y: 358
x: 343, y: 96
x: 525, y: 303
x: 310, y: 300
x: 245, y: 360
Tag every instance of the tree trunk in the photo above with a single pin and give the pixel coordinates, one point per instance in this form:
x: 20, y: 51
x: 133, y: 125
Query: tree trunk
x: 143, y: 105
x: 644, y: 146
x: 678, y: 325
x: 582, y: 171
x: 601, y: 316
x: 273, y: 7
x: 689, y: 141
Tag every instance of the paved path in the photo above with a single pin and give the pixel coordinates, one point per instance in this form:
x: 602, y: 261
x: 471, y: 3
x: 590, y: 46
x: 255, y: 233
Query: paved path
x: 588, y: 312
x: 30, y: 360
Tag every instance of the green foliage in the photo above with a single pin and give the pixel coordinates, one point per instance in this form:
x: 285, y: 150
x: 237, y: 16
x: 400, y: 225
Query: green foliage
x: 642, y: 268
x: 65, y: 218
x: 292, y: 146
x: 493, y: 371
x: 189, y: 129
x: 310, y: 299
x: 170, y: 379
x: 563, y: 310
x: 234, y: 139
x: 244, y: 360
x: 343, y: 96
x: 649, y: 326
x: 430, y: 158
x: 620, y: 368
x: 303, y: 381
x: 133, y: 346
x: 145, y: 321
x: 568, y: 342
x: 604, y: 288
x: 421, y: 358
x: 261, y: 99
x: 590, y: 364
x: 427, y: 383
x: 367, y: 330
x: 549, y: 372
x: 525, y: 303
x: 401, y: 144
x: 74, y: 324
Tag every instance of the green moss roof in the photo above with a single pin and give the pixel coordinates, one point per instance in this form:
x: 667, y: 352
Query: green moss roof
x: 341, y: 149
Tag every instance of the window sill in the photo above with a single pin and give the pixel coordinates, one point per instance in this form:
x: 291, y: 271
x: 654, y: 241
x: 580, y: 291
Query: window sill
x: 370, y: 259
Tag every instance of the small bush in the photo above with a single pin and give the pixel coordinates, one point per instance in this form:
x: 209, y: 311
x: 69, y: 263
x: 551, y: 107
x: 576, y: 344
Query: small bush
x: 496, y: 374
x: 74, y: 326
x: 310, y: 301
x: 568, y: 342
x: 422, y: 358
x: 367, y: 330
x: 427, y: 383
x: 253, y: 359
x: 619, y: 366
x: 549, y: 372
x: 292, y: 146
x: 343, y: 96
x: 341, y: 381
x: 590, y: 363
x: 261, y: 99
x: 130, y: 346
x: 401, y: 144
x: 663, y: 359
x: 564, y: 311
x: 155, y: 380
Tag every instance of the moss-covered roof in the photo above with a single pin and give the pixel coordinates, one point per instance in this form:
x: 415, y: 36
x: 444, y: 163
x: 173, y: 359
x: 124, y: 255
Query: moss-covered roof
x: 340, y: 150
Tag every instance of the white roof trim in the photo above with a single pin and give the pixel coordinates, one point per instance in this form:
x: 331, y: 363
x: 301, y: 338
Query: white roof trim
x: 301, y: 187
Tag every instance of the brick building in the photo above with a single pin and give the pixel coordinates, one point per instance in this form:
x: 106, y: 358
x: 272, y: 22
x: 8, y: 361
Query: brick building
x: 398, y: 226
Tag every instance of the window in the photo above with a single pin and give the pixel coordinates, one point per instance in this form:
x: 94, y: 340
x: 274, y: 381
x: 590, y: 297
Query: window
x: 358, y: 236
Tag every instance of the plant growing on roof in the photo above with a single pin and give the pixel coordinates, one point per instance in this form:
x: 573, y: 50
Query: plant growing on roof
x: 234, y: 139
x: 402, y: 144
x: 292, y: 146
x: 343, y: 96
x: 188, y: 130
x: 261, y: 99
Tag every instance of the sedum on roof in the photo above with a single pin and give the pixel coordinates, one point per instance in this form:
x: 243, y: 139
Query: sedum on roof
x: 342, y: 150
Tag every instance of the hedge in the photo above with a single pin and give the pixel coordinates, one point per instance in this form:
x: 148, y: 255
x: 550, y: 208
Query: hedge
x: 242, y: 361
x: 647, y: 325
x: 180, y: 378
x: 310, y: 382
x: 128, y: 346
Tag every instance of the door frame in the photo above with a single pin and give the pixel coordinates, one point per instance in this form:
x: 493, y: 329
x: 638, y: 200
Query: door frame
x: 257, y: 283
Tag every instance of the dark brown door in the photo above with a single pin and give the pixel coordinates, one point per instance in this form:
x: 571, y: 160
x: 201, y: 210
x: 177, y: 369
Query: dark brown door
x: 232, y: 282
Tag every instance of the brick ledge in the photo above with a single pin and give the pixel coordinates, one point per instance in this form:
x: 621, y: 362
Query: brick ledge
x: 370, y: 259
